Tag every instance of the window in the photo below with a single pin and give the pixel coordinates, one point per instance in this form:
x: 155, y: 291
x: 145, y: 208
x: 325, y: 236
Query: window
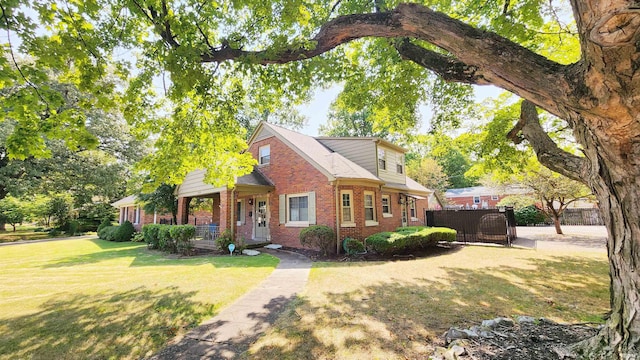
x: 382, y: 159
x: 369, y: 208
x: 298, y: 208
x: 240, y: 212
x: 386, y: 206
x: 264, y: 155
x: 346, y: 205
x: 126, y: 214
x: 412, y: 208
x: 400, y: 164
x: 476, y: 199
x: 494, y: 197
x: 136, y: 215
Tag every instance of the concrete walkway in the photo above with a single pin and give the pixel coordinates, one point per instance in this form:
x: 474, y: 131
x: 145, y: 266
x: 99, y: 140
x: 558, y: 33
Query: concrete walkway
x: 231, y: 332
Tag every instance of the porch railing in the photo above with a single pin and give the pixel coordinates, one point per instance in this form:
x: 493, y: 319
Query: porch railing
x: 206, y: 235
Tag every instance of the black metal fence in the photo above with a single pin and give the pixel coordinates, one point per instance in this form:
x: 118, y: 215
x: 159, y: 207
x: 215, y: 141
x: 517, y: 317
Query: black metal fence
x: 485, y: 226
x: 581, y: 217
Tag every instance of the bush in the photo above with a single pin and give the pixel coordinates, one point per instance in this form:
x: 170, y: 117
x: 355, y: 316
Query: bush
x: 408, y: 239
x: 224, y: 240
x: 108, y: 233
x: 529, y: 215
x: 352, y: 246
x: 137, y: 237
x: 150, y: 235
x: 165, y: 243
x: 319, y: 236
x: 182, y: 236
x: 105, y: 222
x: 73, y: 227
x: 124, y: 232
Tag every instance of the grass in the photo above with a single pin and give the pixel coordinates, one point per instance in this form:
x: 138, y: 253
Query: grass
x: 398, y: 310
x: 25, y: 232
x: 81, y: 299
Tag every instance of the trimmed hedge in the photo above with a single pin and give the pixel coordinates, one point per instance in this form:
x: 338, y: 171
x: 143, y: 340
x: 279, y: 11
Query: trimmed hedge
x: 108, y: 233
x: 408, y: 238
x: 170, y: 238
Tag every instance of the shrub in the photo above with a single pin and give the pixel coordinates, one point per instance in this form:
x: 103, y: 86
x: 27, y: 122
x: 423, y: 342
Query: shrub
x: 165, y: 243
x: 182, y: 236
x: 150, y: 235
x: 529, y: 215
x: 408, y: 239
x: 124, y: 232
x: 319, y: 236
x: 108, y: 233
x: 137, y: 237
x: 105, y: 222
x: 224, y: 240
x: 73, y: 227
x: 352, y: 246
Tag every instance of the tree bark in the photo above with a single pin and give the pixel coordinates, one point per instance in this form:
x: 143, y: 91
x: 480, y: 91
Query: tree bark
x: 556, y: 223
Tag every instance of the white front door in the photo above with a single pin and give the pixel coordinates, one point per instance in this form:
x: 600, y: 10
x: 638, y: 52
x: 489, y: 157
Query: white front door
x: 261, y: 220
x: 403, y: 210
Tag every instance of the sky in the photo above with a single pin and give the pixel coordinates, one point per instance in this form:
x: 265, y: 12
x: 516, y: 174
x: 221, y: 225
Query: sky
x: 317, y: 110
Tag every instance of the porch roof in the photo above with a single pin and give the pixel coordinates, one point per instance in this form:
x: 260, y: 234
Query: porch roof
x: 410, y: 188
x: 125, y: 202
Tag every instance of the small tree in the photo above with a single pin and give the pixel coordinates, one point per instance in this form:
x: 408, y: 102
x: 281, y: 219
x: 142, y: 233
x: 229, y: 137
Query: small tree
x: 11, y: 212
x: 161, y: 200
x: 428, y: 172
x: 555, y: 192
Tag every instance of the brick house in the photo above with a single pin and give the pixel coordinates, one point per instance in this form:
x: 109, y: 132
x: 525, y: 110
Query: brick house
x: 481, y: 197
x: 130, y: 209
x: 357, y: 186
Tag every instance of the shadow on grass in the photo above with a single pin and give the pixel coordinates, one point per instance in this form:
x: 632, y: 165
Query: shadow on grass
x: 145, y: 257
x: 130, y: 324
x: 405, y: 319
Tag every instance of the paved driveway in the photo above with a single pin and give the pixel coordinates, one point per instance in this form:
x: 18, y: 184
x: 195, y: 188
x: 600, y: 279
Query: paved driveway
x: 545, y: 237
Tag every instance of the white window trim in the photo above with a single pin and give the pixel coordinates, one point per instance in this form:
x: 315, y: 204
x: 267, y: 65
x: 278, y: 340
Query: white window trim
x: 289, y: 223
x: 351, y: 223
x: 400, y: 161
x: 136, y: 215
x: 268, y: 146
x: 373, y: 222
x: 495, y: 197
x: 378, y: 158
x: 385, y: 214
x: 479, y: 200
x: 240, y: 205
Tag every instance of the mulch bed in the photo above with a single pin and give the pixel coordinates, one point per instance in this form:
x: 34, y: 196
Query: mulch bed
x: 544, y: 341
x: 316, y: 255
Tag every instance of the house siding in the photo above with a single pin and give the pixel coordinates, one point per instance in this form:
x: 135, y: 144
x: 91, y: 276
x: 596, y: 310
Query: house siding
x: 390, y: 174
x: 194, y: 185
x: 290, y: 173
x: 360, y: 151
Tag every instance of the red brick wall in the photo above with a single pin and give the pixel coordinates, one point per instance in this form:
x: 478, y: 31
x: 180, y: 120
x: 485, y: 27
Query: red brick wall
x: 144, y: 218
x: 292, y: 174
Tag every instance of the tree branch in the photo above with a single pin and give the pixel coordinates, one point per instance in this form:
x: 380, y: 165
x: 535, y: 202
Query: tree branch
x: 447, y: 67
x: 548, y: 153
x: 500, y: 61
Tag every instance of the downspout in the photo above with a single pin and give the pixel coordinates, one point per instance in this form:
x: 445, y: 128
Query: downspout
x: 337, y: 196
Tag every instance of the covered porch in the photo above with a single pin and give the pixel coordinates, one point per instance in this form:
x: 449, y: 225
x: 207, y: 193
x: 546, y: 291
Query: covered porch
x: 215, y: 211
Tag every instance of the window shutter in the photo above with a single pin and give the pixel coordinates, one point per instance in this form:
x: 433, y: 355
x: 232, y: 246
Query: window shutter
x: 282, y: 207
x: 312, y: 208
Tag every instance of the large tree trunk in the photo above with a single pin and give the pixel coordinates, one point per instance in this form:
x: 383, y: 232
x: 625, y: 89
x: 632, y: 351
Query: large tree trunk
x: 556, y: 223
x: 614, y: 181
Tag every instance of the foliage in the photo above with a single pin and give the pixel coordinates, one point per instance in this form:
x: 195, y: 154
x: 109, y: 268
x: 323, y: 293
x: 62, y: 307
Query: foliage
x: 345, y: 123
x: 352, y: 246
x: 124, y: 232
x: 321, y: 237
x: 408, y: 239
x: 108, y: 233
x: 517, y: 201
x: 224, y: 240
x: 11, y: 212
x: 169, y: 238
x: 137, y: 237
x: 105, y: 222
x: 529, y: 215
x: 428, y: 172
x: 73, y: 227
x: 59, y: 209
x: 91, y: 215
x: 161, y: 200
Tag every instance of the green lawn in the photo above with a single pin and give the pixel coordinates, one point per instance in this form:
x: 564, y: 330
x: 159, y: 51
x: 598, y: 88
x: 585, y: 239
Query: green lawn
x: 80, y: 299
x: 25, y: 232
x: 399, y: 310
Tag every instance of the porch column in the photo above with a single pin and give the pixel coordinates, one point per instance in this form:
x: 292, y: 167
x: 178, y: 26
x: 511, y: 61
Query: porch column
x: 183, y: 210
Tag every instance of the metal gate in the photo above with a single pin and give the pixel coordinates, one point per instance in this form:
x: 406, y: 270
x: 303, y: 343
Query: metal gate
x: 483, y: 226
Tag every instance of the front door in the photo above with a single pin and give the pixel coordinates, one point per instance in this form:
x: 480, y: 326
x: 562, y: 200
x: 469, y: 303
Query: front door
x: 261, y: 220
x: 403, y: 210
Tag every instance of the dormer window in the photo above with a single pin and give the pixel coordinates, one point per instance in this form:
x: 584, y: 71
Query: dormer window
x: 264, y: 154
x: 382, y: 159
